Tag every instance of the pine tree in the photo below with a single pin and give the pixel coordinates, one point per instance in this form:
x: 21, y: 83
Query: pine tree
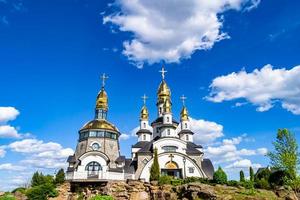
x: 220, y: 176
x: 154, y: 171
x: 242, y: 176
x: 37, y: 179
x: 60, y: 177
x: 251, y: 172
x: 285, y: 157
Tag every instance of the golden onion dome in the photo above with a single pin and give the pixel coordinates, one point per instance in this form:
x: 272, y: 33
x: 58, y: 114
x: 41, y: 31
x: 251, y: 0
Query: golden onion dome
x: 100, y: 124
x: 144, y: 113
x: 184, y: 116
x: 102, y: 100
x: 163, y: 91
x: 167, y: 106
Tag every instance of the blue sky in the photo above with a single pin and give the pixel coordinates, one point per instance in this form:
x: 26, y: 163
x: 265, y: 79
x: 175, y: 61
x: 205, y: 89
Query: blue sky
x: 52, y: 54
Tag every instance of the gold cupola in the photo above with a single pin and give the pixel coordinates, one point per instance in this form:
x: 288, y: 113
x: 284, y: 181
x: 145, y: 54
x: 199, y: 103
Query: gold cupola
x: 163, y: 92
x: 184, y: 115
x: 167, y: 106
x: 102, y: 99
x: 144, y: 113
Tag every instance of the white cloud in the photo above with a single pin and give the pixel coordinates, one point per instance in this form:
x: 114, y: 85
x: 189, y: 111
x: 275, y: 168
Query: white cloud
x: 11, y: 167
x: 124, y: 136
x: 33, y: 146
x: 8, y: 114
x: 7, y: 131
x: 205, y: 131
x: 2, y: 152
x: 244, y: 163
x: 261, y: 87
x: 262, y: 151
x: 171, y: 30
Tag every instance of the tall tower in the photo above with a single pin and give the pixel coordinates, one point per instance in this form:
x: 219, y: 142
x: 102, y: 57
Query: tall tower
x: 163, y: 94
x: 102, y: 101
x: 144, y: 134
x: 185, y: 133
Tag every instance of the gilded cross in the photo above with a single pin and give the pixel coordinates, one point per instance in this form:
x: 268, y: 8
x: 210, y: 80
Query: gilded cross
x: 163, y: 71
x: 171, y: 157
x: 144, y: 99
x: 103, y: 77
x: 183, y: 98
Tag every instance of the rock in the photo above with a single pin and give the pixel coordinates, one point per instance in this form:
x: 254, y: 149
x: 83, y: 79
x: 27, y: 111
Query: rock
x: 19, y: 196
x: 154, y: 182
x: 291, y: 196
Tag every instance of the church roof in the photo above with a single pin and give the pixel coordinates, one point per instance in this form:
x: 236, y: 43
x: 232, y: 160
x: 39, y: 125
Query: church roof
x: 120, y: 159
x: 191, y: 148
x: 160, y: 120
x: 130, y: 166
x: 71, y: 159
x: 143, y: 131
x: 185, y: 131
x: 100, y: 124
x: 139, y: 144
x: 208, y: 168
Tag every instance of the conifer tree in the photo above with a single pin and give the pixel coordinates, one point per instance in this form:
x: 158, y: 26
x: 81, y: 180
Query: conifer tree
x: 242, y: 176
x: 60, y: 177
x: 154, y: 171
x: 220, y: 176
x: 251, y: 172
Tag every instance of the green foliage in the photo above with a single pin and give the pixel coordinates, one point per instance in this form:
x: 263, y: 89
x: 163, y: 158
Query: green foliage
x: 60, y: 177
x: 196, y: 179
x: 165, y: 180
x: 248, y: 184
x: 251, y: 172
x: 176, y: 182
x: 19, y: 189
x: 42, y: 187
x: 7, y: 196
x: 242, y: 176
x: 262, y: 184
x: 279, y: 178
x: 294, y: 184
x: 261, y: 179
x: 285, y: 156
x: 102, y: 197
x: 220, y: 176
x: 154, y: 170
x: 233, y: 183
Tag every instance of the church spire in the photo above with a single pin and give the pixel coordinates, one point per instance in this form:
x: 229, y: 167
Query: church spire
x: 144, y: 111
x: 102, y: 100
x: 184, y: 116
x: 163, y: 93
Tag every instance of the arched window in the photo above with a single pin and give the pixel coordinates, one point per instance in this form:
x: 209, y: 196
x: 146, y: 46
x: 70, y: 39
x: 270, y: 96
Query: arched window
x: 185, y: 124
x: 144, y: 125
x: 93, y: 168
x: 168, y: 119
x: 144, y: 137
x: 168, y: 131
x: 187, y: 137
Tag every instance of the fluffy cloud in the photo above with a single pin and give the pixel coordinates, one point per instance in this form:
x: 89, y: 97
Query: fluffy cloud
x: 261, y: 87
x: 244, y: 163
x: 2, y: 152
x: 205, y: 131
x: 8, y: 114
x: 171, y: 30
x: 124, y: 136
x: 11, y: 167
x: 7, y: 131
x: 39, y: 154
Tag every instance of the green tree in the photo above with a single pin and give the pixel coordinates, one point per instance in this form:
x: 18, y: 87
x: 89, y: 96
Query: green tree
x: 242, y: 176
x: 154, y: 170
x: 251, y: 172
x: 37, y: 179
x: 60, y: 177
x: 285, y: 156
x: 220, y: 176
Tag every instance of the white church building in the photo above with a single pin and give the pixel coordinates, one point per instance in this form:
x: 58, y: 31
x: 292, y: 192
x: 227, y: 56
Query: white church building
x: 97, y: 157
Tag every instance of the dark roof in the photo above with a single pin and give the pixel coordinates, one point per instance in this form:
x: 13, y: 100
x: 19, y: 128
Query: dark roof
x: 70, y: 169
x: 191, y: 144
x: 143, y: 131
x: 139, y: 144
x: 130, y: 166
x: 71, y: 159
x: 160, y: 120
x: 191, y: 149
x: 120, y: 159
x: 118, y: 169
x: 186, y: 131
x: 147, y: 148
x: 208, y: 168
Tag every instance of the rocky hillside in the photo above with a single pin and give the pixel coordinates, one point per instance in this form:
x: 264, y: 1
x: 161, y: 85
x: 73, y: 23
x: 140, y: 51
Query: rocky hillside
x: 136, y: 190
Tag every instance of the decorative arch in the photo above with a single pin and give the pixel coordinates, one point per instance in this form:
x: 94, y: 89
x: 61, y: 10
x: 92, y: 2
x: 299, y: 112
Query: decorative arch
x: 171, y: 165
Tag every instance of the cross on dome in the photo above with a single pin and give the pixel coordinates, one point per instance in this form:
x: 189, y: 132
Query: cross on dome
x: 103, y: 77
x: 183, y: 98
x: 163, y: 71
x: 144, y: 98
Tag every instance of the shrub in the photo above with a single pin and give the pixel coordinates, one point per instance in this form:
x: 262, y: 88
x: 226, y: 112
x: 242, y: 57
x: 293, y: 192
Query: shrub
x: 262, y: 184
x: 251, y: 172
x: 176, y: 182
x: 102, y: 197
x: 154, y: 170
x: 41, y: 192
x: 7, y: 196
x: 220, y: 176
x: 60, y: 177
x: 242, y: 176
x: 248, y: 184
x: 19, y: 189
x: 279, y: 178
x: 295, y: 184
x: 165, y: 180
x: 191, y: 179
x: 261, y: 179
x: 233, y: 183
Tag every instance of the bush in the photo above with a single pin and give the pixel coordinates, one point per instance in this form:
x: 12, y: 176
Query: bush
x: 7, y: 196
x: 220, y: 176
x: 261, y: 179
x: 294, y: 184
x: 176, y: 182
x: 233, y: 183
x: 19, y: 189
x: 60, y: 177
x: 154, y: 170
x: 242, y: 176
x: 262, y: 184
x: 165, y: 180
x: 247, y: 184
x: 279, y: 178
x: 102, y: 197
x: 41, y: 192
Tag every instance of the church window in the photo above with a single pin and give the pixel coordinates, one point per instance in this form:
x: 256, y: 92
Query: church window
x: 168, y: 131
x: 191, y: 170
x: 168, y: 119
x: 144, y: 137
x: 185, y: 124
x: 159, y: 110
x: 157, y: 130
x: 187, y: 137
x: 93, y: 168
x: 170, y: 148
x: 145, y: 161
x: 144, y: 125
x: 96, y: 146
x: 93, y: 134
x: 100, y: 133
x: 81, y: 146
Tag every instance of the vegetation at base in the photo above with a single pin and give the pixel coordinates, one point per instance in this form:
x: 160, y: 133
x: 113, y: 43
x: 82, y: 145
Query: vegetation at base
x: 220, y: 176
x: 102, y: 197
x: 154, y: 170
x: 7, y: 196
x: 60, y: 177
x: 251, y: 173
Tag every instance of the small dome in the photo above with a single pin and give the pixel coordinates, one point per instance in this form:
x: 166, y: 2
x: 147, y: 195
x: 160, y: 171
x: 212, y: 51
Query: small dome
x: 163, y: 91
x: 184, y: 116
x: 168, y: 106
x: 144, y: 113
x: 102, y: 100
x: 99, y: 124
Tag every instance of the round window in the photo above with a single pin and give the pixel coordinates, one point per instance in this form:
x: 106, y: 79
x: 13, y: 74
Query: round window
x: 95, y: 146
